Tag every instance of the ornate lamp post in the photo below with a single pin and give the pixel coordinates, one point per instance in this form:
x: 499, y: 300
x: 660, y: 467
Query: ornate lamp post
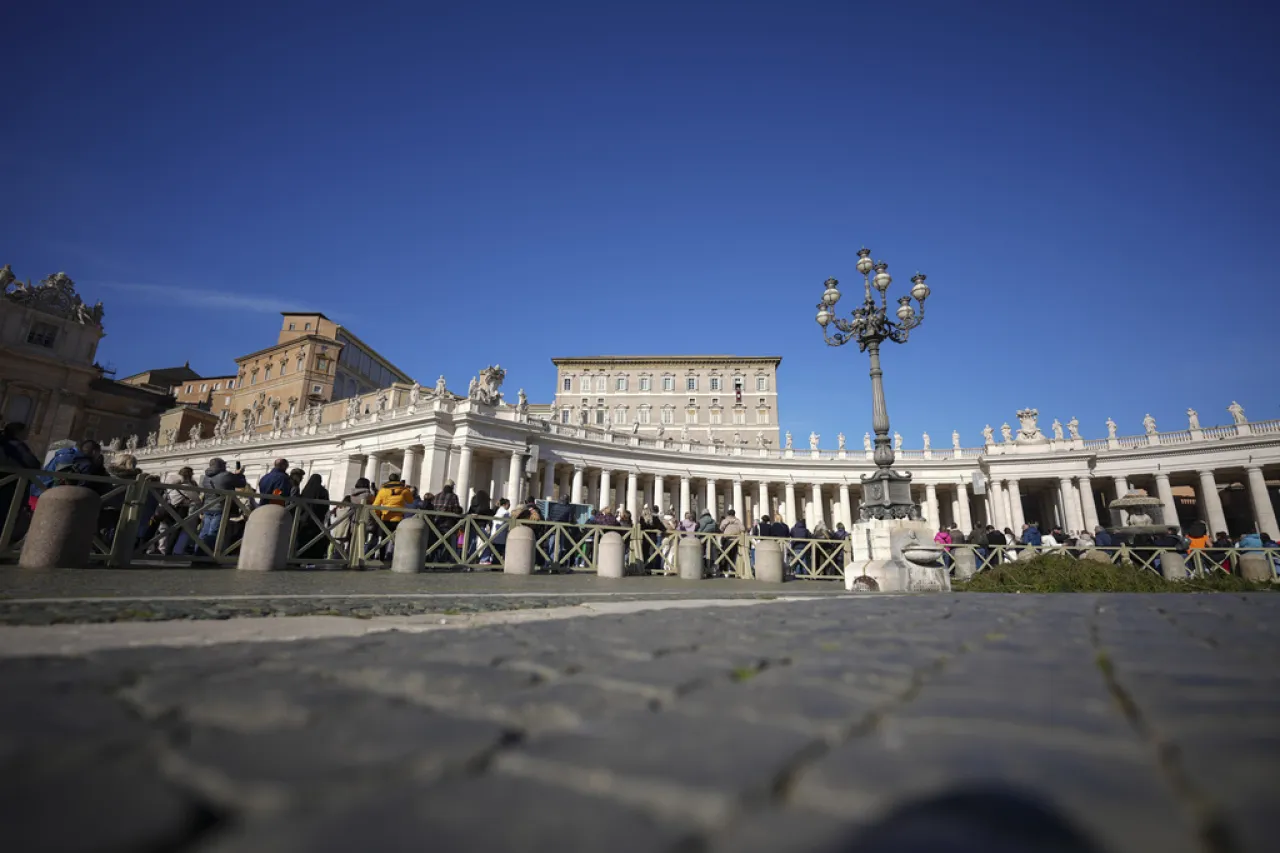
x: 886, y: 493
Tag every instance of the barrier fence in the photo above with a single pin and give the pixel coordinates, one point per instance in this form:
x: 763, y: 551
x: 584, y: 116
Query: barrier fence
x: 146, y: 522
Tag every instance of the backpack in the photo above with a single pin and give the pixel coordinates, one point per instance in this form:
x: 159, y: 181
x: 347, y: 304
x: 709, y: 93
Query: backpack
x: 63, y: 460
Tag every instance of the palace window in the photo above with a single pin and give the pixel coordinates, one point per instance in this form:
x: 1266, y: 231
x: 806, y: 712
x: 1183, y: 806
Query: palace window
x: 322, y: 364
x: 284, y: 367
x: 566, y: 385
x: 668, y: 415
x: 739, y: 416
x: 315, y: 389
x: 620, y: 415
x: 266, y: 374
x: 737, y: 384
x: 204, y: 386
x: 762, y: 383
x: 715, y: 383
x: 217, y: 386
x: 644, y: 383
x: 42, y: 334
x: 253, y: 378
x: 600, y: 384
x: 190, y: 388
x: 715, y: 417
x: 307, y: 327
x: 644, y: 416
x: 292, y: 326
x: 668, y: 383
x: 621, y: 384
x: 565, y: 415
x: 762, y: 416
x: 599, y: 417
x: 691, y: 383
x: 301, y: 362
x: 691, y: 416
x: 21, y: 408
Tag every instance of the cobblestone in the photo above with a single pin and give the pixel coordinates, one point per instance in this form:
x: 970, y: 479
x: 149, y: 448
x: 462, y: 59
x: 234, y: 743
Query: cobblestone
x: 1117, y: 723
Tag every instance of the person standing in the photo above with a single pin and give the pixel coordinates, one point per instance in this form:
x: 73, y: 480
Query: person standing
x: 391, y: 501
x: 276, y: 483
x: 181, y: 496
x: 730, y: 531
x: 312, y: 544
x: 348, y: 516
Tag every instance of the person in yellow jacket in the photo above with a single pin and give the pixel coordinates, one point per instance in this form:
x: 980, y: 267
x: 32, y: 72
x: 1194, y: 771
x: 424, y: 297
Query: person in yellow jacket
x: 393, y: 493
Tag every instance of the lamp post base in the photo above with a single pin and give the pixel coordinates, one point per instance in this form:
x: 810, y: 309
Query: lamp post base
x: 886, y: 495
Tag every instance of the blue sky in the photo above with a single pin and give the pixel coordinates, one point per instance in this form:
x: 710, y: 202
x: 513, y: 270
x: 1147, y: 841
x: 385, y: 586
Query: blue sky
x: 1091, y: 188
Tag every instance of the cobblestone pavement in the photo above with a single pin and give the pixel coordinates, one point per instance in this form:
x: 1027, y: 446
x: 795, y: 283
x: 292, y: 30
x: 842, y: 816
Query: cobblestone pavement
x: 958, y: 722
x: 106, y: 595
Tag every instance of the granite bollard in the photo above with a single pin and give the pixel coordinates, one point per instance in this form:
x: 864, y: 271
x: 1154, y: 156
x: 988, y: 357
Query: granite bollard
x: 520, y: 547
x: 1254, y: 566
x: 965, y: 563
x: 609, y: 564
x: 689, y: 558
x: 265, y: 546
x: 1173, y: 566
x: 769, y: 562
x: 410, y: 553
x: 62, y: 529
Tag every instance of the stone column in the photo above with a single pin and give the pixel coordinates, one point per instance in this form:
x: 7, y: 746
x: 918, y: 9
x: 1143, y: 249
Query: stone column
x: 1165, y: 491
x: 412, y: 472
x: 1016, y: 519
x: 566, y: 482
x: 711, y: 496
x: 633, y: 494
x: 606, y: 488
x: 463, y: 490
x: 789, y: 511
x: 966, y: 514
x: 739, y: 508
x: 818, y: 514
x: 515, y: 477
x: 763, y: 507
x: 846, y: 507
x: 1070, y: 504
x: 685, y: 502
x: 955, y: 508
x: 372, y: 464
x: 575, y: 494
x: 931, y: 504
x: 549, y: 480
x: 1263, y: 512
x: 996, y: 506
x: 1088, y: 504
x: 1212, y: 503
x: 1122, y: 489
x: 660, y: 492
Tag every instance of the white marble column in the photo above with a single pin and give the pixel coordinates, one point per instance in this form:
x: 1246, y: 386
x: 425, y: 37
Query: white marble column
x: 846, y: 506
x: 997, y: 508
x: 1217, y: 520
x: 575, y: 492
x: 1165, y: 491
x: 1070, y: 504
x: 1122, y: 489
x: 549, y: 480
x: 955, y: 507
x: 1263, y: 512
x: 1016, y: 519
x: 789, y: 511
x: 606, y: 489
x: 1088, y: 504
x: 633, y: 494
x: 739, y: 508
x: 685, y: 499
x: 711, y: 496
x: 566, y: 482
x: 515, y: 477
x: 463, y: 491
x: 659, y: 493
x: 372, y: 469
x: 762, y: 505
x: 413, y: 465
x: 818, y: 514
x: 966, y: 513
x: 931, y: 505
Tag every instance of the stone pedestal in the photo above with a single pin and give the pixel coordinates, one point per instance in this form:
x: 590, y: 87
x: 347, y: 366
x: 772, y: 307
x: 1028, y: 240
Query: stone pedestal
x: 265, y: 546
x: 689, y: 558
x: 609, y: 559
x: 966, y: 563
x: 769, y: 562
x: 1172, y: 566
x: 1253, y: 567
x: 62, y: 529
x: 410, y: 553
x: 518, y: 559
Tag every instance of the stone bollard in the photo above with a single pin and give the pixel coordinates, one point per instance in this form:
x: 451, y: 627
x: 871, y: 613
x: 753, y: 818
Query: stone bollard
x: 609, y: 557
x: 965, y: 563
x: 410, y: 552
x: 520, y: 548
x: 1253, y: 567
x: 265, y: 546
x: 689, y: 558
x: 62, y: 530
x: 769, y: 562
x: 1173, y: 566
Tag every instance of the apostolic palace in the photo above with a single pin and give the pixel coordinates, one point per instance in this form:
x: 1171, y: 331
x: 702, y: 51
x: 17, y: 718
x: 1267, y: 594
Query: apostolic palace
x: 681, y: 431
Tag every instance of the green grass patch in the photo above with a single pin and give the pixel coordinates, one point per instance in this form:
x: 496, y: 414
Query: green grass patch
x: 1061, y: 573
x: 743, y: 673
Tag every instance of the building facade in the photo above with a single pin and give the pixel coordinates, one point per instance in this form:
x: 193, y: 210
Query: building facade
x: 713, y: 399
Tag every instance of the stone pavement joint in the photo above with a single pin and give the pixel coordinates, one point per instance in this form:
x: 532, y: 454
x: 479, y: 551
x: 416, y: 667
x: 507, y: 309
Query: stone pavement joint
x: 802, y: 726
